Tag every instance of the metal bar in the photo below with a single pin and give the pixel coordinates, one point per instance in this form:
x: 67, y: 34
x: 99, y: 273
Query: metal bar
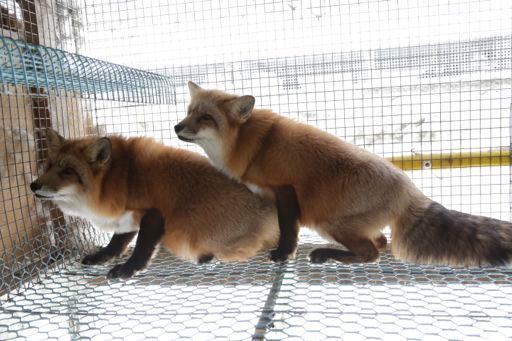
x: 268, y: 313
x: 500, y: 157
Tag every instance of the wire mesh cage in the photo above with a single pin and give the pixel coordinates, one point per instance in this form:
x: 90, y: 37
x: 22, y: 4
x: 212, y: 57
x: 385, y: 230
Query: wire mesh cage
x: 427, y: 85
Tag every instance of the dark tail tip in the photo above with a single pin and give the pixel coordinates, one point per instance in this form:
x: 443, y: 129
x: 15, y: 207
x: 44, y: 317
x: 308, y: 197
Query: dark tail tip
x: 447, y: 237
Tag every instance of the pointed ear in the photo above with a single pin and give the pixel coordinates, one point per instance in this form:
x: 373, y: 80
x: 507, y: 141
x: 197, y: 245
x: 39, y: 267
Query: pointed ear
x: 241, y: 107
x: 54, y: 139
x: 54, y: 142
x: 99, y: 151
x: 193, y: 88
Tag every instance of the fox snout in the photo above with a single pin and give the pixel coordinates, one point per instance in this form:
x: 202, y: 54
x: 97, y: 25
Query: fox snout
x: 40, y: 191
x: 35, y: 186
x: 178, y: 127
x: 184, y: 131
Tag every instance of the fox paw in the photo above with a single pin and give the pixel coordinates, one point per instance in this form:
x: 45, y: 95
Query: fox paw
x: 205, y: 259
x: 381, y: 242
x: 318, y: 256
x: 121, y: 271
x: 278, y: 255
x: 96, y: 258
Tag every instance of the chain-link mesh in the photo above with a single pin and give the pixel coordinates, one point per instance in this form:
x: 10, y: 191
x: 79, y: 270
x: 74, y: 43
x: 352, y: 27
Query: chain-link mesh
x: 259, y: 299
x: 425, y: 84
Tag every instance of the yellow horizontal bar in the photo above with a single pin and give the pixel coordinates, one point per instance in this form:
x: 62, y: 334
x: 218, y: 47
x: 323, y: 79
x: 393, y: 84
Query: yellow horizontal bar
x: 496, y: 157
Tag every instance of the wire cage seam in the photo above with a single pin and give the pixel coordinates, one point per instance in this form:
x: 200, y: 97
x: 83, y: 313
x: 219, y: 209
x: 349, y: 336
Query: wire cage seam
x: 39, y: 66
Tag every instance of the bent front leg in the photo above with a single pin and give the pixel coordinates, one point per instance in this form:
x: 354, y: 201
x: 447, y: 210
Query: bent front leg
x: 115, y: 248
x: 150, y: 233
x: 288, y: 213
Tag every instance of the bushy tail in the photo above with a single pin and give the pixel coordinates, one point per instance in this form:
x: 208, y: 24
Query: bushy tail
x: 436, y: 235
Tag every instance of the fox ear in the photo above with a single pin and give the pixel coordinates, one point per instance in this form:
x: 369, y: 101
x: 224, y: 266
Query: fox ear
x: 53, y: 138
x: 99, y: 151
x: 193, y: 88
x: 242, y: 106
x: 54, y: 141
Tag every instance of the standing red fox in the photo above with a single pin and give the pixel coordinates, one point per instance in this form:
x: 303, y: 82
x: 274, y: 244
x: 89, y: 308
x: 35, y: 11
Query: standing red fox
x: 345, y: 193
x: 175, y: 196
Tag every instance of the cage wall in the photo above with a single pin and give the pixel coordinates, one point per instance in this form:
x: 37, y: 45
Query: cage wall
x: 47, y: 83
x: 32, y: 237
x: 425, y: 84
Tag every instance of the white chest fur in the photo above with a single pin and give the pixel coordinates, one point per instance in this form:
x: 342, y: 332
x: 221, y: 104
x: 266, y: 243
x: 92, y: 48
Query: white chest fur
x: 215, y: 155
x: 122, y: 224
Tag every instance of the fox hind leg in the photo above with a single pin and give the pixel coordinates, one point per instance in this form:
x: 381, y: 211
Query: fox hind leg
x: 361, y: 249
x: 381, y: 242
x: 204, y: 259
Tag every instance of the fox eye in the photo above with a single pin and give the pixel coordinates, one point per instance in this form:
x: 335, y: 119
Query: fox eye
x: 68, y: 171
x: 206, y: 118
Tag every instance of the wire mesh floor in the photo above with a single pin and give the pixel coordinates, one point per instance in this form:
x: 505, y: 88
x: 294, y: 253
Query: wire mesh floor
x: 261, y: 300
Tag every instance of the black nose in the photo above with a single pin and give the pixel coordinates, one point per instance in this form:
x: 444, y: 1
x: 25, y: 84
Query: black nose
x: 178, y: 127
x: 34, y: 186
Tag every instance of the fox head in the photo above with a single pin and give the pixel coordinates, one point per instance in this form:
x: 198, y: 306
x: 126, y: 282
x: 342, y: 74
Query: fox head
x: 72, y: 167
x: 213, y: 119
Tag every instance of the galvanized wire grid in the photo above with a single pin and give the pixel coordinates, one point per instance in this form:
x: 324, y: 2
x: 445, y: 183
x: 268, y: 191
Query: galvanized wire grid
x: 36, y: 66
x: 260, y: 299
x: 47, y: 83
x: 400, y: 78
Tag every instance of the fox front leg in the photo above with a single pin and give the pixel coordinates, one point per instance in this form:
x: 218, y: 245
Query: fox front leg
x: 115, y: 248
x: 288, y: 214
x: 150, y: 233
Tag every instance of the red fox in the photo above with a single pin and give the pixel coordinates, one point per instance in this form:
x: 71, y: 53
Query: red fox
x: 174, y: 196
x: 345, y: 193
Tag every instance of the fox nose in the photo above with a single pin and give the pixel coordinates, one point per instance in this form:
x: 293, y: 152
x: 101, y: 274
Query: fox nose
x: 34, y: 186
x: 178, y: 127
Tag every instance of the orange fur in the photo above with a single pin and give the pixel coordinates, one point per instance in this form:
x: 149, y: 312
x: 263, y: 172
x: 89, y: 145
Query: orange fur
x: 344, y: 192
x: 204, y: 211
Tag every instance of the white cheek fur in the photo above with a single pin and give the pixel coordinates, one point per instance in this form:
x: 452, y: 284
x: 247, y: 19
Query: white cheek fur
x: 75, y: 204
x: 210, y: 141
x: 68, y: 190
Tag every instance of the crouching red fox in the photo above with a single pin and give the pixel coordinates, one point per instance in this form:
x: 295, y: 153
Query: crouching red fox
x: 167, y: 195
x: 345, y: 193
